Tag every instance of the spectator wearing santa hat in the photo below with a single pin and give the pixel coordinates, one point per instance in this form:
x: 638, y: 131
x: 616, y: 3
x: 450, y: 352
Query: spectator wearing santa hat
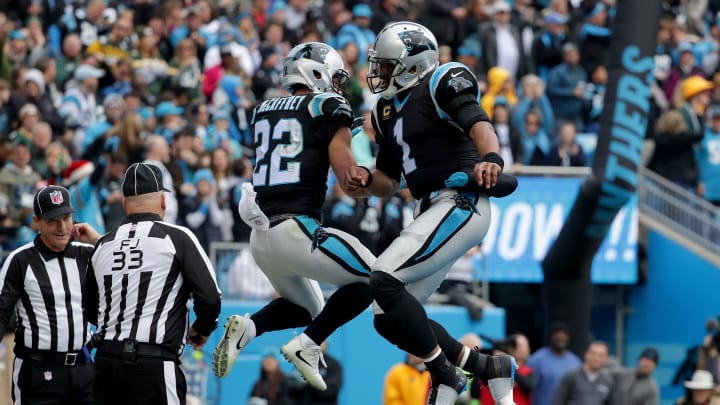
x: 81, y: 178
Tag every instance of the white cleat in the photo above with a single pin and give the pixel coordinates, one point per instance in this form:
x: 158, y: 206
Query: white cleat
x: 306, y: 360
x: 237, y: 336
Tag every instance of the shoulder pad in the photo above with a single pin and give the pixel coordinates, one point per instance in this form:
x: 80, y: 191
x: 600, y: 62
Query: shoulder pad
x: 450, y: 81
x: 331, y: 105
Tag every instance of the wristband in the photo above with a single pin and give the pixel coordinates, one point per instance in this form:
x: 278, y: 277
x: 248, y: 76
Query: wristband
x: 493, y: 157
x: 370, y: 176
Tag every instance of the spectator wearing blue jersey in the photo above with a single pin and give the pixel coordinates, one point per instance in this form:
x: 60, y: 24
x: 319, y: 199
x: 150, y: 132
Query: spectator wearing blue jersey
x: 594, y: 38
x: 566, y: 86
x: 595, y: 98
x: 113, y: 106
x: 533, y: 96
x: 708, y: 157
x: 547, y: 46
x: 357, y: 31
x: 711, y: 48
x: 170, y: 120
x: 233, y: 98
x: 81, y: 179
x: 79, y: 104
x: 202, y: 213
x: 191, y: 30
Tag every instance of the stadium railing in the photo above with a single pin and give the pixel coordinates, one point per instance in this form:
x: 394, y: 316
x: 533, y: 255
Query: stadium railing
x: 680, y: 215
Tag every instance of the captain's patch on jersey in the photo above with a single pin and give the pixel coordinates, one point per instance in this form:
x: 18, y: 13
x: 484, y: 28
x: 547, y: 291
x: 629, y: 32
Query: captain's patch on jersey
x: 459, y: 83
x: 386, y: 112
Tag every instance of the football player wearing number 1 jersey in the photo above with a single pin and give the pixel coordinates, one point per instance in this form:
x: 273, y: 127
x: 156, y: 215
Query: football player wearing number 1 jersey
x: 297, y: 139
x: 431, y: 130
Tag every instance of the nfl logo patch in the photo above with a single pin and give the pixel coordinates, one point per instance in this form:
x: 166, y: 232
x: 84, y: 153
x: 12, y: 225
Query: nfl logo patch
x: 47, y: 375
x: 56, y: 197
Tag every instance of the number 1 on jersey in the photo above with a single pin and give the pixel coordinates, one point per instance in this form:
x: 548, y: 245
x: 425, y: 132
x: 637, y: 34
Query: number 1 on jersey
x: 268, y: 171
x: 409, y: 165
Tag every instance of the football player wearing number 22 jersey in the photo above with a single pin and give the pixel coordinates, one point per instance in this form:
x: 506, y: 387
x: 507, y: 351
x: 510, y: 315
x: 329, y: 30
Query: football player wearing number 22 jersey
x: 297, y: 139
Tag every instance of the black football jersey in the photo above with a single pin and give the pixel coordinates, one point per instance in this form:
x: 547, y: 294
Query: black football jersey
x: 418, y: 138
x: 291, y: 136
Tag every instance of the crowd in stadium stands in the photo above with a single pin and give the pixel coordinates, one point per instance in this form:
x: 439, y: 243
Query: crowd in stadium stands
x: 89, y: 87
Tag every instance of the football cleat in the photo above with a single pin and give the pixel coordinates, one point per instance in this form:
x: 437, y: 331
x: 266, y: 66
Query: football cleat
x: 306, y: 360
x: 447, y: 391
x: 237, y: 336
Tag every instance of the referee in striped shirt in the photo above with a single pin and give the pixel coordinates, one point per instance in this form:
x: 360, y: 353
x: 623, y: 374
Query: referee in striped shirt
x: 137, y: 290
x: 42, y: 282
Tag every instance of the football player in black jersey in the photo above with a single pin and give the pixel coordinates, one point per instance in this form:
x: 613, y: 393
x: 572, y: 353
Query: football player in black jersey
x: 297, y: 139
x: 432, y: 131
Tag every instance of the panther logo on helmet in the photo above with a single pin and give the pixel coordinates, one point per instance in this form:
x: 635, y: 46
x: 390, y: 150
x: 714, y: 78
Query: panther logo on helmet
x: 416, y: 42
x: 318, y: 54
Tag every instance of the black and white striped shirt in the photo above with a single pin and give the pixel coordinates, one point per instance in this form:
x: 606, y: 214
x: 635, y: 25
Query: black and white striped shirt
x: 141, y: 278
x: 45, y: 290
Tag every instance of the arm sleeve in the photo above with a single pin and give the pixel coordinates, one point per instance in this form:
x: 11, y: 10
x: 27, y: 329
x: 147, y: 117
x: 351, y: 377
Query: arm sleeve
x: 456, y: 94
x: 199, y: 273
x: 11, y: 284
x: 389, y: 160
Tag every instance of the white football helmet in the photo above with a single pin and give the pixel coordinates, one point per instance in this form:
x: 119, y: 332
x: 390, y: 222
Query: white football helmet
x: 316, y: 66
x: 404, y: 52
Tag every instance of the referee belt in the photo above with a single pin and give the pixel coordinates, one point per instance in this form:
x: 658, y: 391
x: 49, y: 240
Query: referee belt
x: 54, y: 358
x: 130, y: 349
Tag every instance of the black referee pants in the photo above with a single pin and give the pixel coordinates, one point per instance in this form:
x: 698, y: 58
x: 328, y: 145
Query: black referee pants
x: 40, y: 383
x: 145, y: 381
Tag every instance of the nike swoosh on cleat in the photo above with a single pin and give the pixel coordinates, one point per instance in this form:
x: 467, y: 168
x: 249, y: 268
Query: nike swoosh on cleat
x: 299, y: 356
x: 237, y: 345
x: 456, y: 74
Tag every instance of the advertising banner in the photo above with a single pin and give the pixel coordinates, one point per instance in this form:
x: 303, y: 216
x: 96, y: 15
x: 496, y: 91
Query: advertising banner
x: 526, y: 224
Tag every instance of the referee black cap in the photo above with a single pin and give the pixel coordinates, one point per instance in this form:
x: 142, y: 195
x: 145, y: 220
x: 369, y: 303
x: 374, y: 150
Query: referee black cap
x: 51, y: 202
x: 142, y: 178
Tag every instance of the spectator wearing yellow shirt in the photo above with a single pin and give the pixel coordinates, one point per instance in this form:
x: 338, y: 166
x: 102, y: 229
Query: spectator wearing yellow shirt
x: 407, y: 383
x: 116, y: 44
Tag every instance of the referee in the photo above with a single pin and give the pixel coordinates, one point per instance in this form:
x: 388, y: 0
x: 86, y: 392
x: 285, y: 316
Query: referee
x: 42, y: 283
x: 137, y: 290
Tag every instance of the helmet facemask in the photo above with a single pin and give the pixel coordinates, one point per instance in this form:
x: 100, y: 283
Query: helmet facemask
x: 403, y: 54
x: 341, y: 83
x: 381, y: 72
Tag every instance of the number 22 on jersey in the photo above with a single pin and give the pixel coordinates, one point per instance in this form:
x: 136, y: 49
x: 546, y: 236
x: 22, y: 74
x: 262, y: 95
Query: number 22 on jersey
x: 271, y: 152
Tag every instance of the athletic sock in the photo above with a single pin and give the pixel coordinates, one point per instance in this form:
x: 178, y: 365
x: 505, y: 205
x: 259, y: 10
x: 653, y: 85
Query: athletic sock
x: 280, y: 314
x: 345, y: 304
